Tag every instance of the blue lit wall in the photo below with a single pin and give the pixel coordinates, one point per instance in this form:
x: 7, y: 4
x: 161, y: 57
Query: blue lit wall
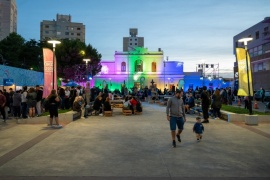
x: 193, y: 80
x: 21, y: 77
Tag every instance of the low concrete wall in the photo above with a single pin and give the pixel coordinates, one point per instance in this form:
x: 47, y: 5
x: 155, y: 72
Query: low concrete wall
x: 63, y: 118
x: 233, y: 117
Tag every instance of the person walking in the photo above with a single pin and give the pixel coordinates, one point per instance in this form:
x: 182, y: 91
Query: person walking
x: 176, y: 115
x: 53, y: 101
x: 205, y: 104
x: 216, y: 104
x: 198, y: 129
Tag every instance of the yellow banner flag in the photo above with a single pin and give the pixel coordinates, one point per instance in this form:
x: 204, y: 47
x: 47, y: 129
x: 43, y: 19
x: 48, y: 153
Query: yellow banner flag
x: 245, y: 80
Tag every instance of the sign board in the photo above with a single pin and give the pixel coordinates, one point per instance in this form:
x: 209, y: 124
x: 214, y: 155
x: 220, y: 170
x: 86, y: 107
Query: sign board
x: 8, y: 82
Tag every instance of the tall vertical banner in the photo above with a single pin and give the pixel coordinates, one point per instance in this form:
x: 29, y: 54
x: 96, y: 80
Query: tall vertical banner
x: 242, y: 73
x: 48, y: 72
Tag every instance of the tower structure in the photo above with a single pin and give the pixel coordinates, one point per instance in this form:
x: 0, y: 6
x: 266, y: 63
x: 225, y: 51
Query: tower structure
x: 8, y: 18
x: 131, y: 42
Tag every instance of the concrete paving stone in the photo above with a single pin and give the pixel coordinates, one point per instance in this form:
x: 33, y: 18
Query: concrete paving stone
x: 136, y: 147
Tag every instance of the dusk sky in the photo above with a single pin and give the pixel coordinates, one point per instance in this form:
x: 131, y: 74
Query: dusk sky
x: 192, y: 31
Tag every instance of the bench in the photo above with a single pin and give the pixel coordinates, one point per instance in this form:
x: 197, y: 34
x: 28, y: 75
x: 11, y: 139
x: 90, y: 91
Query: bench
x: 107, y: 113
x: 127, y: 112
x: 117, y: 105
x: 137, y: 113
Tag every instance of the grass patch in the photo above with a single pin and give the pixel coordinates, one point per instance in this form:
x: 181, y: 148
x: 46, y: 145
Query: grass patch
x: 59, y: 112
x: 239, y: 110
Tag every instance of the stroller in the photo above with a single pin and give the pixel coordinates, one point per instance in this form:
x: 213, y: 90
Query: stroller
x: 267, y: 107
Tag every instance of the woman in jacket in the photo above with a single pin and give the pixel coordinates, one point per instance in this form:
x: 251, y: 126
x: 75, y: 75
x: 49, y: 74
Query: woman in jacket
x: 31, y: 101
x: 216, y: 104
x: 53, y: 101
x: 107, y: 104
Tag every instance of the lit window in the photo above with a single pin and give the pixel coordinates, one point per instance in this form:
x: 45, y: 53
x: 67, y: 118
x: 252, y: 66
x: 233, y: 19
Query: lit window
x: 123, y: 67
x: 139, y: 66
x: 257, y: 34
x: 154, y: 66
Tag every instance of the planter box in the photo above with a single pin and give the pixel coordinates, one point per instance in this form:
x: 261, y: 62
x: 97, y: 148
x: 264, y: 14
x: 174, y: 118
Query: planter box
x: 251, y: 119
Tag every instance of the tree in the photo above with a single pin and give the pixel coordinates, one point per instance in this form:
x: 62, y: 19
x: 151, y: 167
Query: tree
x: 11, y: 48
x: 20, y: 53
x: 70, y: 64
x: 31, y: 55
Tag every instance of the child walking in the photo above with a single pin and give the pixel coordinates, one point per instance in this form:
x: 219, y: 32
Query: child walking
x: 198, y: 128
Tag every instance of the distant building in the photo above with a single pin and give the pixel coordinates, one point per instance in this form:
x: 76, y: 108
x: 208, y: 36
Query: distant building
x: 259, y: 51
x: 8, y: 18
x: 131, y: 42
x: 138, y: 67
x: 62, y: 28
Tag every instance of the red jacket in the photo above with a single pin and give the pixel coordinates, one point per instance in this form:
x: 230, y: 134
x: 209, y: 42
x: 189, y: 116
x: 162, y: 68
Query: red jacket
x: 2, y: 99
x: 133, y: 102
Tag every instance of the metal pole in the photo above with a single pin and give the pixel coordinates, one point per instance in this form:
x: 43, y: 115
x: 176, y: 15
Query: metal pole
x: 249, y: 97
x: 164, y: 74
x: 53, y: 66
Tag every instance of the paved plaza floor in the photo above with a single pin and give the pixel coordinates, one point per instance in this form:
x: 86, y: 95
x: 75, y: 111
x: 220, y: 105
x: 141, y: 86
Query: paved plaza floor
x: 133, y: 147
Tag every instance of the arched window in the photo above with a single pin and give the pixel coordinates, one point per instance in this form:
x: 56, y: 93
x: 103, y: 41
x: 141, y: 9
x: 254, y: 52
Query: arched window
x: 154, y: 67
x: 123, y: 67
x: 139, y: 66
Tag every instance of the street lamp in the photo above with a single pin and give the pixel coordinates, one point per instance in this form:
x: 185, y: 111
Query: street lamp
x: 164, y: 62
x: 110, y: 83
x: 245, y: 40
x: 86, y: 63
x: 53, y: 42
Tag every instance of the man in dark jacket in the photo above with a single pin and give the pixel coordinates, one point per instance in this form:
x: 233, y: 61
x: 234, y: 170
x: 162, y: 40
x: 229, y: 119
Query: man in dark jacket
x: 38, y: 99
x: 205, y: 100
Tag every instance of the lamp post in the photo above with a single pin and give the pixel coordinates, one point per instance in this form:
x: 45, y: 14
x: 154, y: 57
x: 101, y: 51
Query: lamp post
x: 53, y: 42
x: 110, y: 83
x: 245, y: 40
x: 86, y: 63
x: 164, y: 69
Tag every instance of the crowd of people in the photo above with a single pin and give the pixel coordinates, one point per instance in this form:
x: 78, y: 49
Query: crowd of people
x: 21, y: 103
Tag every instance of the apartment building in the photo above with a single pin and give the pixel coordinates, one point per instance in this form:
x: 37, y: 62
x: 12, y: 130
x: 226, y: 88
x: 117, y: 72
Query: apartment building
x: 259, y: 51
x: 8, y: 18
x: 62, y: 28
